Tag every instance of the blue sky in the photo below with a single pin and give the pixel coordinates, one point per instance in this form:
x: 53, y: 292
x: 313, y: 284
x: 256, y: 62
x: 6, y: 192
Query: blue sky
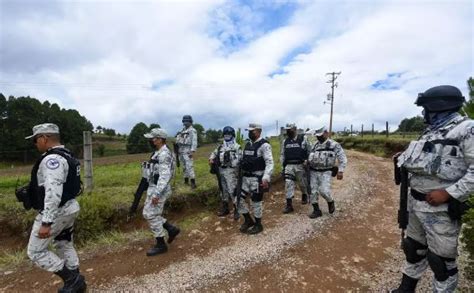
x: 234, y: 62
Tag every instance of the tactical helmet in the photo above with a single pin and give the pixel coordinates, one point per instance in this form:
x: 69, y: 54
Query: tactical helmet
x: 187, y: 118
x: 441, y: 98
x: 228, y: 130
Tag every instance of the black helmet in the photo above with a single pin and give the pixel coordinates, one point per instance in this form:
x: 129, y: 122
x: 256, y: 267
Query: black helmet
x: 187, y: 118
x: 441, y: 98
x: 228, y: 130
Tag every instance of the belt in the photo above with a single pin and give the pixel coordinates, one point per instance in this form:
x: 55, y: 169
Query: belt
x: 321, y: 170
x: 418, y: 195
x: 251, y: 175
x: 294, y: 162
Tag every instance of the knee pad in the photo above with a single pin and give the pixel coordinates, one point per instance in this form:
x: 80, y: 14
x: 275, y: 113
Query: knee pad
x: 438, y: 266
x: 411, y: 247
x: 65, y: 234
x: 256, y: 197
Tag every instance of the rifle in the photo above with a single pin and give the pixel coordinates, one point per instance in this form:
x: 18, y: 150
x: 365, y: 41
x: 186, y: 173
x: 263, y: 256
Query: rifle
x: 142, y: 187
x: 238, y: 191
x: 401, y: 178
x: 176, y: 152
x: 308, y: 180
x: 215, y: 170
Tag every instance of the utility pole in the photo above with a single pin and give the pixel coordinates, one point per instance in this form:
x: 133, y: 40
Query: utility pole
x: 333, y: 83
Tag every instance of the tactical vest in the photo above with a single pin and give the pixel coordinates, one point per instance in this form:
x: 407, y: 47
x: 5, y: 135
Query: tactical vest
x: 437, y: 156
x: 293, y: 150
x: 251, y: 162
x: 71, y: 188
x: 323, y: 157
x: 226, y: 158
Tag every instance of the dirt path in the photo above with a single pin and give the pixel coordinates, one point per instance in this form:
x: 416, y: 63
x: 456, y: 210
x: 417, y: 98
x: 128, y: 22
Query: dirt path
x: 355, y: 249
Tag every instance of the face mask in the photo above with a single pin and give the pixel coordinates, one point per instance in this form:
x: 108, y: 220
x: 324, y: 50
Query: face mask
x: 321, y: 138
x: 290, y: 133
x: 252, y: 135
x: 187, y: 124
x: 227, y: 137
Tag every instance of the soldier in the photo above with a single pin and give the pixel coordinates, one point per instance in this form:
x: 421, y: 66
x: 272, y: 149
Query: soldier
x: 227, y: 157
x: 160, y: 170
x: 293, y: 153
x: 441, y: 178
x: 55, y: 182
x: 322, y: 165
x: 257, y: 168
x: 187, y: 144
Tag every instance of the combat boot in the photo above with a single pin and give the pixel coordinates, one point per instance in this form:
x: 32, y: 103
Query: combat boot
x: 224, y: 211
x: 257, y: 228
x: 173, y: 231
x: 73, y: 281
x: 159, y: 248
x: 331, y: 207
x: 304, y: 198
x: 193, y: 183
x: 186, y: 181
x: 236, y: 213
x: 316, y: 212
x: 289, y: 206
x: 408, y: 285
x: 248, y: 222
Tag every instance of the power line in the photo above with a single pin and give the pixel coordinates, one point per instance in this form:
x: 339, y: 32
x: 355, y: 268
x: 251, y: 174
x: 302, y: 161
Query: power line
x: 330, y: 97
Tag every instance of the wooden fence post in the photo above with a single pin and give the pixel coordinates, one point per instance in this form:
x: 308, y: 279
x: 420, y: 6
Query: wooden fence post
x: 362, y: 130
x: 88, y: 182
x: 386, y: 128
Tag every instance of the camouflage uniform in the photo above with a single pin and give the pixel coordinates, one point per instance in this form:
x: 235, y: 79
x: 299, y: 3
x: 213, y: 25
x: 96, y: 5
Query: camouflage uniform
x: 442, y: 158
x: 187, y: 142
x: 159, y: 170
x: 52, y: 174
x: 321, y: 159
x: 251, y: 180
x: 229, y: 154
x: 294, y: 171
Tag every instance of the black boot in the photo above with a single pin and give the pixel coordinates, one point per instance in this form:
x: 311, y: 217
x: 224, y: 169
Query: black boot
x: 186, y: 181
x: 316, y: 212
x: 408, y: 285
x: 236, y: 213
x: 331, y: 207
x: 289, y: 206
x: 193, y: 183
x: 257, y: 228
x: 173, y: 231
x: 224, y: 211
x: 159, y: 248
x: 73, y: 281
x: 304, y: 198
x: 248, y: 222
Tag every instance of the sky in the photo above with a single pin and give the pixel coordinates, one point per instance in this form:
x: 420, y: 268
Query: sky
x: 234, y: 62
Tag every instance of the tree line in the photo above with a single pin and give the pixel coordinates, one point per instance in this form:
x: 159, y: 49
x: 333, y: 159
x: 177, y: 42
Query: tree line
x: 19, y: 115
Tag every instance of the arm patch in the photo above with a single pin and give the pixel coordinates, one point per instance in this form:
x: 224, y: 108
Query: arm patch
x: 52, y: 164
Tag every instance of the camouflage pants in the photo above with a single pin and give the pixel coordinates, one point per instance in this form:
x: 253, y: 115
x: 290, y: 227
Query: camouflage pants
x: 153, y: 213
x: 440, y: 234
x: 229, y: 182
x: 188, y: 163
x: 250, y: 187
x: 293, y: 174
x: 320, y: 185
x: 61, y: 238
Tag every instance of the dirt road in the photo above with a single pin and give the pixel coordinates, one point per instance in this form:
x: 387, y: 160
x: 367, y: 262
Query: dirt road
x: 355, y: 249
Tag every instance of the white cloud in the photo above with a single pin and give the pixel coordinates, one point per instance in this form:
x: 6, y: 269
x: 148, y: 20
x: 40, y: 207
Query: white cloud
x: 102, y: 59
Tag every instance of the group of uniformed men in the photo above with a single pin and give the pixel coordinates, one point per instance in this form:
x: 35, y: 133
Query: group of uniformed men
x: 441, y: 164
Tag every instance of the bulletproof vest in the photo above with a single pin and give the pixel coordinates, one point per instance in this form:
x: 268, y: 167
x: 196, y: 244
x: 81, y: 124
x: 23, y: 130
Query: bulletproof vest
x: 433, y: 154
x: 225, y: 158
x: 152, y: 174
x: 184, y: 137
x: 294, y: 152
x: 251, y: 162
x: 71, y: 188
x: 324, y: 156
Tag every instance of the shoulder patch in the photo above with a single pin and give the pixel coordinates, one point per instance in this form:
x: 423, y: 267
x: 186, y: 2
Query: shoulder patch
x: 52, y: 164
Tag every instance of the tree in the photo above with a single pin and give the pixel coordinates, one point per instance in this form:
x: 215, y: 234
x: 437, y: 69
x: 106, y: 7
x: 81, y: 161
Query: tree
x: 414, y: 124
x: 200, y: 132
x: 136, y: 142
x: 212, y: 136
x: 154, y: 125
x: 468, y: 108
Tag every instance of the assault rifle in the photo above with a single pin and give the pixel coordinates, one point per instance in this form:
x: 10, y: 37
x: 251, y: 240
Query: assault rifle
x: 401, y: 178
